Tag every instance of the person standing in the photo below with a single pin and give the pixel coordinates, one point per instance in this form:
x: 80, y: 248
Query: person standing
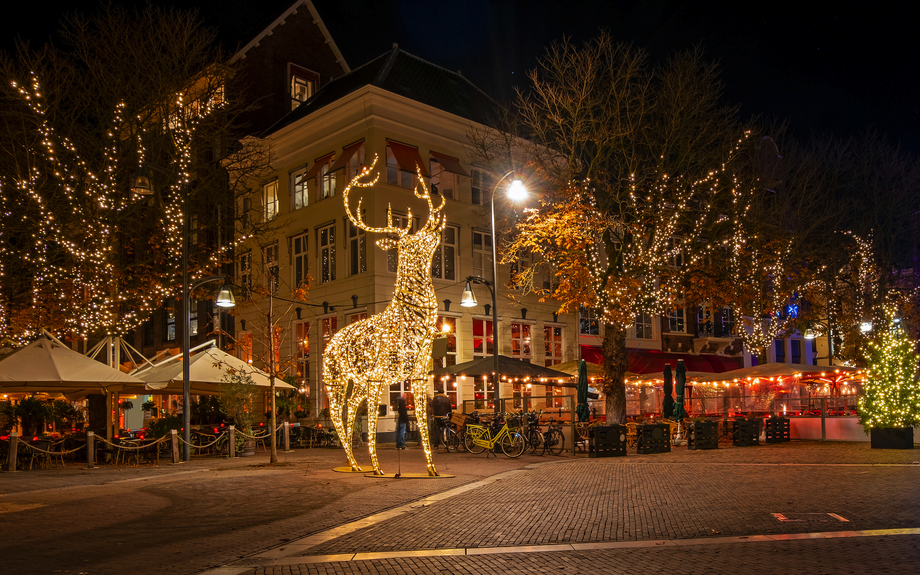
x: 402, y: 421
x: 440, y: 407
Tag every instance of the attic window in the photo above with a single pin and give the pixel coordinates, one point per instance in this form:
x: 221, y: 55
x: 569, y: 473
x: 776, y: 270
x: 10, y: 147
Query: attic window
x: 304, y: 84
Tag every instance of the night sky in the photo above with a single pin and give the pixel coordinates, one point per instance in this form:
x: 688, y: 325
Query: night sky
x: 826, y: 71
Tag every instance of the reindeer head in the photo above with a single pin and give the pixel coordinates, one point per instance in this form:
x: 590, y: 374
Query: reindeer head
x: 415, y: 249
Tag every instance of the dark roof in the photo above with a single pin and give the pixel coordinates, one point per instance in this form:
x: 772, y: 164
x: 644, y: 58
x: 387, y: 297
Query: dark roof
x: 401, y: 73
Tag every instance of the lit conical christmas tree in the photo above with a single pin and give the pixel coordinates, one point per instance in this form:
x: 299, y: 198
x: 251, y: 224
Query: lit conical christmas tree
x: 891, y: 390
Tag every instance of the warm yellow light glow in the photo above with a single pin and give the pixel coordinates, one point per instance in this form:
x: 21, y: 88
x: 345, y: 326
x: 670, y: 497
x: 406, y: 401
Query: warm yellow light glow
x: 369, y: 356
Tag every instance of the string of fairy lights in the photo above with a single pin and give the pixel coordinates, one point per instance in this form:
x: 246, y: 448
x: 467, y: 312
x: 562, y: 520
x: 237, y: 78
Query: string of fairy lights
x: 395, y: 345
x: 73, y: 212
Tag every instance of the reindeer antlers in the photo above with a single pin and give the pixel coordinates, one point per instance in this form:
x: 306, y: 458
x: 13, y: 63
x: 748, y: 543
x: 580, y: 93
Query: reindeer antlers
x: 434, y: 221
x: 359, y: 221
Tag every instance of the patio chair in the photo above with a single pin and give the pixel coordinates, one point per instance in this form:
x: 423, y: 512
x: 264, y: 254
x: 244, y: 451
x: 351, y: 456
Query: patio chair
x: 42, y: 457
x: 632, y: 434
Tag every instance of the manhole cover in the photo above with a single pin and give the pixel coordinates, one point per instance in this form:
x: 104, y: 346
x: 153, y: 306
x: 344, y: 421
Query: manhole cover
x: 809, y: 517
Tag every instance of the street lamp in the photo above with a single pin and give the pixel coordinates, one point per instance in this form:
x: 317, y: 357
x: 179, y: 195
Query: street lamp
x: 224, y: 299
x: 143, y: 186
x: 516, y: 192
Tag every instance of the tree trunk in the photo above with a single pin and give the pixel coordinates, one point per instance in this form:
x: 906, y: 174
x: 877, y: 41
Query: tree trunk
x: 615, y: 364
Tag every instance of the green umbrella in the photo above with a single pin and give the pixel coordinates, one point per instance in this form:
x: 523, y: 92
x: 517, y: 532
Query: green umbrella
x: 667, y: 403
x: 679, y: 412
x: 581, y: 390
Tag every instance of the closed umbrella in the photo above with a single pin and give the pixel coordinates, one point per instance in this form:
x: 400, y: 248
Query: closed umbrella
x: 667, y: 403
x: 581, y: 391
x: 679, y: 412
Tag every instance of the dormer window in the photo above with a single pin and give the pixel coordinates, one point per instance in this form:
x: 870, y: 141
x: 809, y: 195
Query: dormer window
x: 304, y: 84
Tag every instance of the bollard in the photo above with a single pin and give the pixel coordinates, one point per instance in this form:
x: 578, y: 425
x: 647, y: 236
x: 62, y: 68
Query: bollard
x: 231, y: 449
x: 14, y: 450
x: 287, y: 437
x: 90, y: 449
x: 174, y: 439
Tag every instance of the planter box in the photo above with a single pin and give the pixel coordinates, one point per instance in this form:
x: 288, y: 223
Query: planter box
x: 776, y: 429
x: 745, y: 432
x: 653, y: 438
x: 703, y: 435
x: 892, y: 437
x: 609, y: 441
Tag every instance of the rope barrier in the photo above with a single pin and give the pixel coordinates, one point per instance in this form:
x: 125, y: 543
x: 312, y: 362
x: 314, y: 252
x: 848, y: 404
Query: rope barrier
x: 133, y: 448
x: 38, y: 449
x: 218, y: 438
x: 256, y: 437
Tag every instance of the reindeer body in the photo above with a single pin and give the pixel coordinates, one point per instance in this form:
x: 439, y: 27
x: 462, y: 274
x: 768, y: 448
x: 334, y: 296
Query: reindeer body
x: 364, y: 359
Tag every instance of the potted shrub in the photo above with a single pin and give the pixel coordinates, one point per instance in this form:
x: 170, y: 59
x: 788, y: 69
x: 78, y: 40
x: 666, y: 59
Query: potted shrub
x: 150, y: 407
x: 237, y: 391
x: 889, y: 407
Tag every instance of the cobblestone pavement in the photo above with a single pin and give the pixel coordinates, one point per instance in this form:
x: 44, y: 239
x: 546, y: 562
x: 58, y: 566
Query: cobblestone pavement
x: 211, y: 512
x: 890, y: 555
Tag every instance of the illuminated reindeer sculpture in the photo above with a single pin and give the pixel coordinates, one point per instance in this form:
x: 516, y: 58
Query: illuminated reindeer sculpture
x: 364, y: 359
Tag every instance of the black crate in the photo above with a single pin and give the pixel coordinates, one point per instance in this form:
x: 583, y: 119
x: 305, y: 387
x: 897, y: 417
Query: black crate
x: 703, y: 435
x: 746, y: 432
x: 776, y: 429
x: 653, y: 438
x: 891, y: 438
x: 607, y: 441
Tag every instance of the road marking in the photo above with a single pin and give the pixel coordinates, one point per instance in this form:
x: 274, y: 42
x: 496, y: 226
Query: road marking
x: 651, y: 544
x: 17, y: 507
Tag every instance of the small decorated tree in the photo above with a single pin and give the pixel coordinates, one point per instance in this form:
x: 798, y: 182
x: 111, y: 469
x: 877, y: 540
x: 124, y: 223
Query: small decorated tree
x: 891, y: 391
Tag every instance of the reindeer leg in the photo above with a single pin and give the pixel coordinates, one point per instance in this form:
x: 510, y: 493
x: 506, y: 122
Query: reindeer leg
x: 337, y: 399
x: 421, y: 417
x: 373, y: 400
x: 352, y: 408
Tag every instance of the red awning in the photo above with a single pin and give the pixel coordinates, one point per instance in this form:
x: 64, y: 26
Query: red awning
x: 320, y: 162
x: 449, y: 164
x: 653, y: 361
x: 407, y: 157
x: 347, y: 153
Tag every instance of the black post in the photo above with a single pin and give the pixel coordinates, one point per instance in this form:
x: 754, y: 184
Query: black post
x: 186, y: 337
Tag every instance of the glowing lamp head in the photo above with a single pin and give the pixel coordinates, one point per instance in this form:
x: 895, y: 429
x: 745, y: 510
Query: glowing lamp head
x: 142, y: 185
x: 809, y: 333
x: 865, y: 326
x: 468, y: 299
x: 225, y: 297
x: 517, y: 191
x: 445, y: 328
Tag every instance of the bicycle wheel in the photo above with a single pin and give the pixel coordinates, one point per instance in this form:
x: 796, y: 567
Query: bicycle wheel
x: 452, y: 440
x: 471, y: 445
x: 535, y: 443
x: 513, y: 445
x: 461, y: 440
x: 555, y: 441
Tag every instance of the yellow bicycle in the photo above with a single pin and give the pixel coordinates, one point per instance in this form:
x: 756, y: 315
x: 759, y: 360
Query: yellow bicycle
x: 481, y: 437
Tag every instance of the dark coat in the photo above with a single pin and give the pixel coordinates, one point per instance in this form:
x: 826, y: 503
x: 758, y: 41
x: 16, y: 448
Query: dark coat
x: 440, y: 405
x: 402, y: 414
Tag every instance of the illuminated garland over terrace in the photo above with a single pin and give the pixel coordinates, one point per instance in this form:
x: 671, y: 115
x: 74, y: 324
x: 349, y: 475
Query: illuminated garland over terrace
x: 77, y: 284
x: 363, y: 360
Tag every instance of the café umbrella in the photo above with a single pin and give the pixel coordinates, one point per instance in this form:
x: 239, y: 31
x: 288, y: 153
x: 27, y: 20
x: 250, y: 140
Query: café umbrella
x: 667, y: 402
x: 679, y: 412
x: 208, y: 368
x: 581, y: 391
x: 47, y: 365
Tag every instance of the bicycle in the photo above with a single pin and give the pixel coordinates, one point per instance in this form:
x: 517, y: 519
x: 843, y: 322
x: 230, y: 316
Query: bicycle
x: 447, y: 435
x: 553, y: 440
x: 482, y: 437
x: 532, y: 435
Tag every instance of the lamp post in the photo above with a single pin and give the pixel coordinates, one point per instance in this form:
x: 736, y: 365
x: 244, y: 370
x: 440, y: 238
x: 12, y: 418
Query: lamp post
x: 143, y: 186
x: 516, y: 192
